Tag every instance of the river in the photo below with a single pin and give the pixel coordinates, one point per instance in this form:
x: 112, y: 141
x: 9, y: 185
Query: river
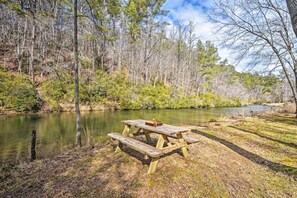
x: 56, y: 131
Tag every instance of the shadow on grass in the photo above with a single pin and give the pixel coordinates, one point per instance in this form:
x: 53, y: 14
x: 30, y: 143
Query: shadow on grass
x: 292, y: 145
x: 281, y: 119
x: 69, y: 175
x: 139, y: 156
x: 288, y: 170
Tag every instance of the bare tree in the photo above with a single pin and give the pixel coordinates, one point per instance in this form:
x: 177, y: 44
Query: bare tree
x: 75, y: 51
x: 260, y: 30
x: 116, y: 35
x: 33, y: 38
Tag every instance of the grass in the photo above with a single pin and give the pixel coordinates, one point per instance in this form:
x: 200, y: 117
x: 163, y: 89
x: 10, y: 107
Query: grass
x: 247, y: 157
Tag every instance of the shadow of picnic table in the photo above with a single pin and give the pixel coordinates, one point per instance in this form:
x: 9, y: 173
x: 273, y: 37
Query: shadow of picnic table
x: 288, y: 170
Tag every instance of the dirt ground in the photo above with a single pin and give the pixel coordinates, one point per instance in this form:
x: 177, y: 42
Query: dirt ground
x: 235, y: 157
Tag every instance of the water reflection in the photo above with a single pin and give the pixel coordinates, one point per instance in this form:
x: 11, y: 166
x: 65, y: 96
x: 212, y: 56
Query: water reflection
x: 56, y: 131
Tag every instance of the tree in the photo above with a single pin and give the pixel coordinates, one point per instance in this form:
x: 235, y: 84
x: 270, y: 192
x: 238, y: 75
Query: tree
x: 76, y: 78
x: 259, y: 29
x: 115, y: 36
x: 292, y: 7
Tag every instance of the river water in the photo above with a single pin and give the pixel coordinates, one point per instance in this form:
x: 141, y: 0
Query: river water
x: 56, y: 131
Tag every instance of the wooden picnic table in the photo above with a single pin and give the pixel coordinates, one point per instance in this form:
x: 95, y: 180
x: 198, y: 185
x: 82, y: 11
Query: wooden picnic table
x: 166, y: 134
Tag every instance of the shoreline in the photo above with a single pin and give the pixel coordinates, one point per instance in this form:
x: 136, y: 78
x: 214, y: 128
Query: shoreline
x: 274, y: 104
x: 108, y: 107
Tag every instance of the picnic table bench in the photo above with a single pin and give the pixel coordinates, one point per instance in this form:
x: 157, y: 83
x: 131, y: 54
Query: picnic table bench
x: 165, y: 132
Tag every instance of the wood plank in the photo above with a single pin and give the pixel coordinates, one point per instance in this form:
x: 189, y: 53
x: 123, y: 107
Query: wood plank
x: 173, y: 147
x: 154, y: 162
x: 119, y: 148
x: 181, y: 140
x: 164, y: 129
x: 126, y: 130
x: 153, y: 165
x: 147, y: 136
x: 189, y: 140
x: 138, y: 132
x: 167, y: 140
x: 160, y: 142
x: 137, y: 145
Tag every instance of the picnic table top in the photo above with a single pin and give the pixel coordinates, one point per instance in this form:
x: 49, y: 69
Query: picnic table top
x: 164, y: 129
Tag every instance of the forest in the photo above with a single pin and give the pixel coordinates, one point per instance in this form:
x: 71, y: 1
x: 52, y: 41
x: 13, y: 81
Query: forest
x: 129, y: 58
x: 152, y: 87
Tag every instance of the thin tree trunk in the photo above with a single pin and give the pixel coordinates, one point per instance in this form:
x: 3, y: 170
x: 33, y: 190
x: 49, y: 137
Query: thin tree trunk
x: 120, y: 50
x: 21, y: 45
x: 295, y: 93
x: 33, y: 38
x: 31, y: 59
x: 75, y: 50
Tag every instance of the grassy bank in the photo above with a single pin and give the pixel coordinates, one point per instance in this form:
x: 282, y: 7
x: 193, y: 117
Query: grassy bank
x: 235, y: 157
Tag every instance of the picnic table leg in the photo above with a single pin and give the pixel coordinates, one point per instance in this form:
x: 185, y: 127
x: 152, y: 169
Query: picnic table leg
x: 119, y: 147
x: 125, y: 133
x: 147, y: 136
x: 153, y: 165
x: 126, y: 130
x: 154, y: 161
x: 181, y: 140
x: 137, y: 132
x: 167, y: 140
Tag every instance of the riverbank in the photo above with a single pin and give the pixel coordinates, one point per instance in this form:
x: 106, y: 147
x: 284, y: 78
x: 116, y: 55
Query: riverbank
x: 64, y: 107
x: 235, y: 157
x: 109, y: 106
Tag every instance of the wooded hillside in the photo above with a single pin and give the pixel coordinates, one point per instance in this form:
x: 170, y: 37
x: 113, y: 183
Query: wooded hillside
x: 129, y: 59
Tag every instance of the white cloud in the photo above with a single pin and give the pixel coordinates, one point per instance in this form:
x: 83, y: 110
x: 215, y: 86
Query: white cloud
x: 190, y: 13
x: 173, y: 4
x: 196, y: 11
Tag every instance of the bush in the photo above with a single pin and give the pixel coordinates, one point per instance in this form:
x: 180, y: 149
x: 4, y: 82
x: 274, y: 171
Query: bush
x: 115, y: 89
x: 58, y: 89
x: 17, y: 92
x: 151, y: 97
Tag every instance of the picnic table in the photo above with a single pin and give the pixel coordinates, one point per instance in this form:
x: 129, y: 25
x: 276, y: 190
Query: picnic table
x: 172, y: 135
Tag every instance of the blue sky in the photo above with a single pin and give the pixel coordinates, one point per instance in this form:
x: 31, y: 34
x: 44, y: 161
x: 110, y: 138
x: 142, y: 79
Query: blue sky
x: 191, y: 10
x: 197, y: 11
x: 199, y: 4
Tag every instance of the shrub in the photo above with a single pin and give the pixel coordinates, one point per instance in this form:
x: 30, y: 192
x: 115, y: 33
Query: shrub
x: 58, y: 89
x: 115, y: 89
x: 17, y: 92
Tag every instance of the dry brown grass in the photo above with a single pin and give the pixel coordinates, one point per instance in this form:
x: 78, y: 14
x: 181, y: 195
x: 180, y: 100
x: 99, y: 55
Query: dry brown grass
x: 289, y: 107
x: 250, y: 157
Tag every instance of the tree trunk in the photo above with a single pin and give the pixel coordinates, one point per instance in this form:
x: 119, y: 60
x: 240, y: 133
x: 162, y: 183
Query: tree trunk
x: 75, y: 50
x: 292, y: 7
x: 31, y: 59
x: 33, y: 38
x: 21, y: 45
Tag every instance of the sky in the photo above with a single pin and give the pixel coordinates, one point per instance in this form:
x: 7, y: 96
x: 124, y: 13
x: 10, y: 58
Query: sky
x: 197, y: 11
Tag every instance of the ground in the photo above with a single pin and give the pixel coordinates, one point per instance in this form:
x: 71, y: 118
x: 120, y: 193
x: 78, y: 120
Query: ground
x: 235, y: 157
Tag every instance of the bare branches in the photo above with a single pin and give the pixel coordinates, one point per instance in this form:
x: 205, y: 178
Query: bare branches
x: 258, y: 29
